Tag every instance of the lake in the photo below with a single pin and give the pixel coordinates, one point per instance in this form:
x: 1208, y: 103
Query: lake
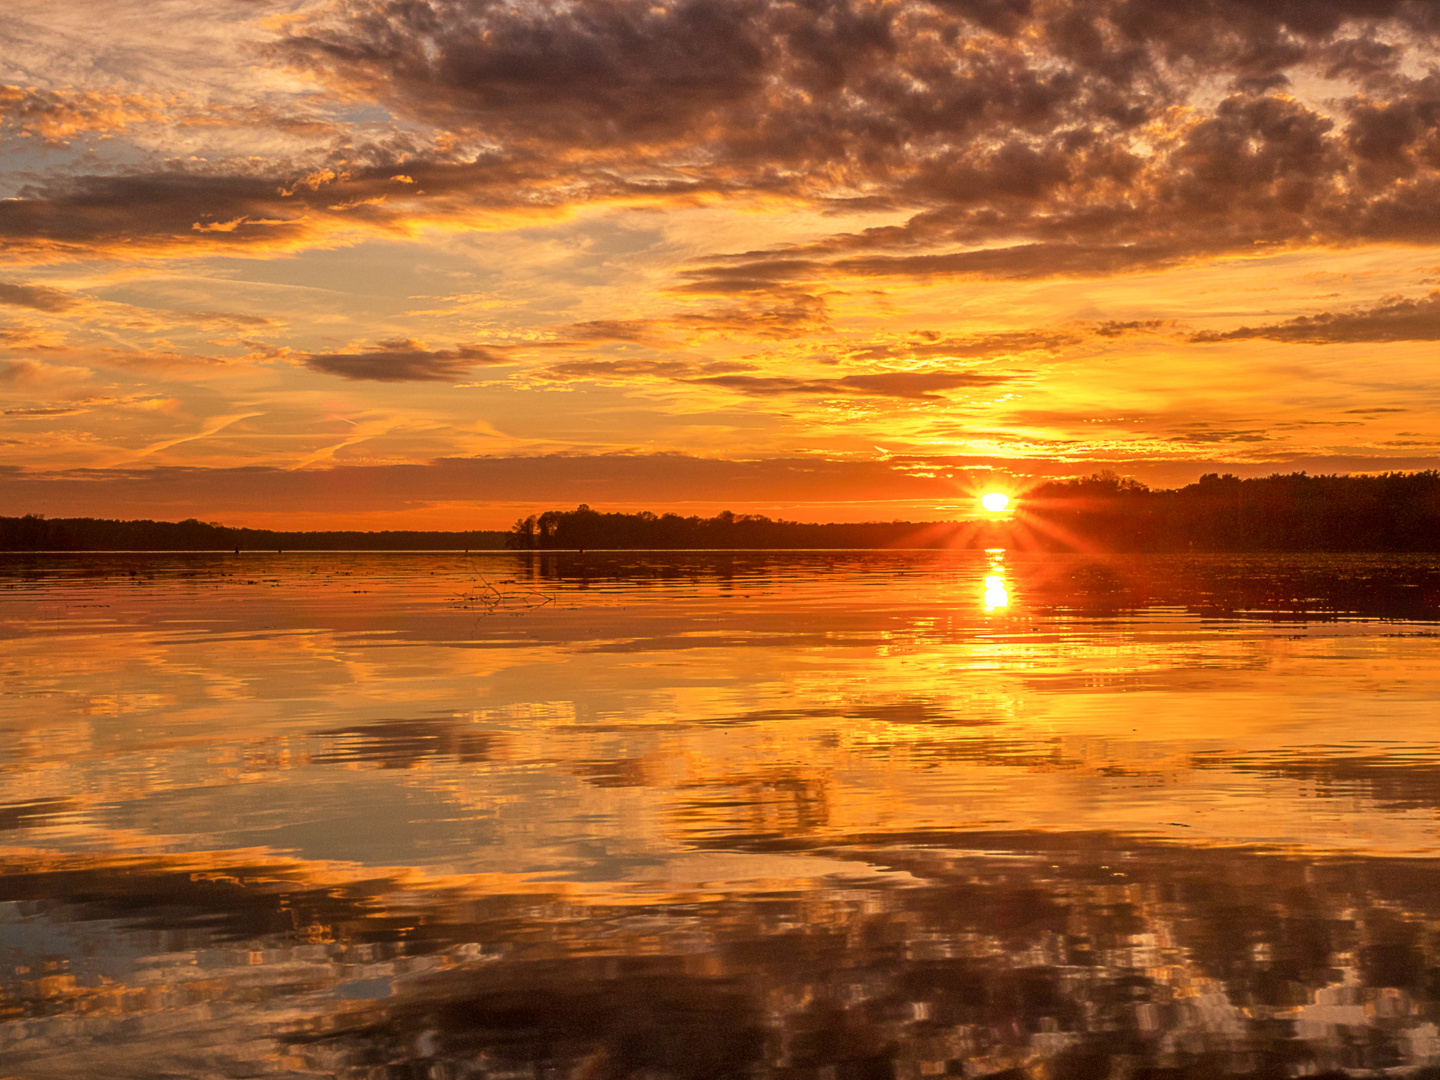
x: 829, y: 815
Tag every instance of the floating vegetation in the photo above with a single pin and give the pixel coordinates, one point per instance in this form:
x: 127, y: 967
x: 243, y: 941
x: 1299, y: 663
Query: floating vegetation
x: 488, y: 598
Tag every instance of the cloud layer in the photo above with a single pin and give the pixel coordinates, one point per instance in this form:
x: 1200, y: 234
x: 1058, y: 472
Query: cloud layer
x: 1073, y: 131
x: 1033, y: 137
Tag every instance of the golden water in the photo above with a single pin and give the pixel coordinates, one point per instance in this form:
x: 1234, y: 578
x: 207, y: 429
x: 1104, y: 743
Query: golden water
x: 839, y: 815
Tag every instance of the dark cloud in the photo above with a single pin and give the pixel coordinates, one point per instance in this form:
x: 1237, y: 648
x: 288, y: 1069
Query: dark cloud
x: 45, y: 411
x: 38, y: 297
x: 402, y: 361
x: 853, y: 84
x: 994, y: 118
x: 264, y: 207
x: 618, y: 71
x: 1394, y: 319
x: 1122, y: 328
x: 1360, y: 57
x: 1249, y: 37
x: 1024, y: 138
x: 77, y: 215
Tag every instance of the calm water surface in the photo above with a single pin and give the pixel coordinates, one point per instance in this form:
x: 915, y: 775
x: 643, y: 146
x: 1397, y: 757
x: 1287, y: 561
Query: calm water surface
x: 792, y: 815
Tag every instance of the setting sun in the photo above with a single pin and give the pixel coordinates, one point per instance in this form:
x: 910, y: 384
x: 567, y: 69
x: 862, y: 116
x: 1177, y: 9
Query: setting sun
x: 994, y: 501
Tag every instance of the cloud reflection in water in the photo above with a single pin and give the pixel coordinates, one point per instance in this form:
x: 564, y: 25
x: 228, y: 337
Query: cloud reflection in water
x: 802, y: 815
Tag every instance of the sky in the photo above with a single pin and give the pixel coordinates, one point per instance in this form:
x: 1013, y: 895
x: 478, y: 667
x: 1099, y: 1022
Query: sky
x: 444, y: 263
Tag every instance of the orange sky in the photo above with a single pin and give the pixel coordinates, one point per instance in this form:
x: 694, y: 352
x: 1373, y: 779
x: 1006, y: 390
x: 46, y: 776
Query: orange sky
x: 390, y: 263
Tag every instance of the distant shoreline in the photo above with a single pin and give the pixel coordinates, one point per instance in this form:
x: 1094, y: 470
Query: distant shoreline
x: 38, y: 535
x: 1393, y: 512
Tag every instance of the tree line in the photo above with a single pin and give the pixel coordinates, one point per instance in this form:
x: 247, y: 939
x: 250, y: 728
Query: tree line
x: 36, y: 533
x: 1282, y: 512
x: 1102, y: 512
x: 587, y: 528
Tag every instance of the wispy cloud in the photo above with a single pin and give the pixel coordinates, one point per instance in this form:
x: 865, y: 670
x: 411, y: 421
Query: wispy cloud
x: 213, y: 426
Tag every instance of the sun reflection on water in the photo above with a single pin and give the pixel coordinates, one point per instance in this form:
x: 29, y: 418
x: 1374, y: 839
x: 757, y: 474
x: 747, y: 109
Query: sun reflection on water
x: 996, y: 595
